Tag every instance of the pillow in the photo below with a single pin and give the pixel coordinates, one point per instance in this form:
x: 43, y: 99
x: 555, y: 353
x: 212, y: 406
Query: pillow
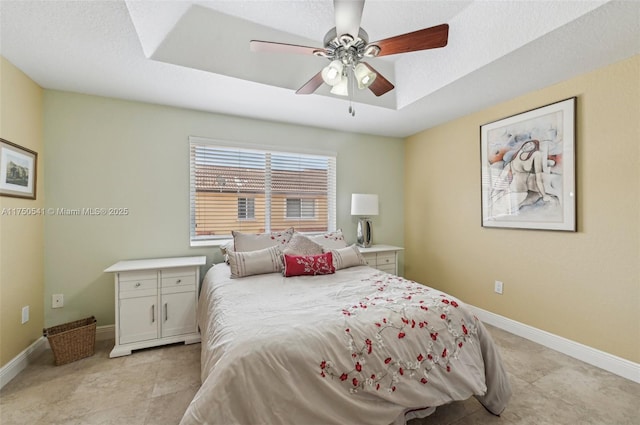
x: 244, y: 242
x: 303, y: 265
x: 347, y: 257
x: 254, y: 262
x: 332, y: 240
x: 302, y: 245
x: 226, y: 247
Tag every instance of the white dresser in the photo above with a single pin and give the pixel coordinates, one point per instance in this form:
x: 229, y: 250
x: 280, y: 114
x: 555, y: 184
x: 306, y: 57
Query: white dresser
x: 156, y: 301
x: 382, y: 257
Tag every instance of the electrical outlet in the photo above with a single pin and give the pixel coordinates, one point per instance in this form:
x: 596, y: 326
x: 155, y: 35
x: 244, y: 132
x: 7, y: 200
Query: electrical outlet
x: 25, y: 314
x: 498, y: 287
x: 57, y: 300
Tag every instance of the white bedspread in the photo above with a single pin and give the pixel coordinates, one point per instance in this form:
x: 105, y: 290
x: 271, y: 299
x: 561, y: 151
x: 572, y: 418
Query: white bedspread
x: 355, y: 347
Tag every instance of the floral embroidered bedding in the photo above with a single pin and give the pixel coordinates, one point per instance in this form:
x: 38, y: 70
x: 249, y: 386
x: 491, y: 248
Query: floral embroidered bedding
x: 355, y: 347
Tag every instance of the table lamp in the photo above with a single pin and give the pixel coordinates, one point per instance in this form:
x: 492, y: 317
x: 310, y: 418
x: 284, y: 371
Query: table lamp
x: 364, y: 206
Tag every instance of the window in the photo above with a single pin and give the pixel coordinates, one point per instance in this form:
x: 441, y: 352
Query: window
x: 246, y: 209
x: 301, y: 208
x: 256, y: 190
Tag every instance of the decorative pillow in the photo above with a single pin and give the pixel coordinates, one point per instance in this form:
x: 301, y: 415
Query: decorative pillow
x: 332, y: 240
x: 226, y: 247
x: 255, y: 262
x: 348, y: 257
x: 244, y: 242
x: 302, y: 245
x: 302, y: 265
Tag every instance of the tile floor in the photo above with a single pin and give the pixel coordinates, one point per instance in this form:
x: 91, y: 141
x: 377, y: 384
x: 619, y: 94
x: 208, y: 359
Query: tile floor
x: 154, y: 387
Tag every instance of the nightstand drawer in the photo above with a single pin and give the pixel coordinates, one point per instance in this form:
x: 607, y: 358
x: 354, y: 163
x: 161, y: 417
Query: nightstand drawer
x: 188, y: 280
x: 138, y: 288
x: 384, y: 259
x: 176, y: 289
x: 137, y: 275
x: 391, y: 268
x: 370, y: 259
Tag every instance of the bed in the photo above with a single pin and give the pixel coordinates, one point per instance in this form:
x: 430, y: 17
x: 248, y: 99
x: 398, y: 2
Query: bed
x: 357, y: 346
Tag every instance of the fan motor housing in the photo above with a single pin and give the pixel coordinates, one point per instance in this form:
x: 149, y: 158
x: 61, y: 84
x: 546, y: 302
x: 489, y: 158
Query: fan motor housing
x: 345, y: 47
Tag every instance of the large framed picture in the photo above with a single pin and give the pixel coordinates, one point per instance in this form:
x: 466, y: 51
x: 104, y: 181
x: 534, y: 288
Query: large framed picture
x: 528, y: 169
x: 17, y: 170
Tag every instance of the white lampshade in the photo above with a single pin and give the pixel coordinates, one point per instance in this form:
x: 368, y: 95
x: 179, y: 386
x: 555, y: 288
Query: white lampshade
x: 364, y: 204
x: 332, y: 73
x: 342, y: 88
x: 364, y: 76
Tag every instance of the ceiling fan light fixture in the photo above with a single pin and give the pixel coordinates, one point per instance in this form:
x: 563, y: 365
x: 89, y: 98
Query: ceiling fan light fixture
x: 332, y: 73
x: 364, y: 76
x: 342, y: 88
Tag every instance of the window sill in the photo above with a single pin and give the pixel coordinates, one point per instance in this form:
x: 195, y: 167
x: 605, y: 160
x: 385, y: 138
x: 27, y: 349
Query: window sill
x: 209, y: 242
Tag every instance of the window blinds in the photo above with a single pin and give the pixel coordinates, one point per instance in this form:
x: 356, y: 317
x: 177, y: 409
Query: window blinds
x: 257, y: 191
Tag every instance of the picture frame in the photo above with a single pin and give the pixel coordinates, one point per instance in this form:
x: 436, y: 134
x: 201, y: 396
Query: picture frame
x: 18, y: 170
x: 528, y: 169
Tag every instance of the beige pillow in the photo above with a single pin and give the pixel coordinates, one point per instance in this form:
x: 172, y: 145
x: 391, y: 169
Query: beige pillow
x: 228, y: 246
x: 302, y: 245
x: 347, y: 257
x: 329, y: 241
x: 249, y: 263
x: 243, y: 242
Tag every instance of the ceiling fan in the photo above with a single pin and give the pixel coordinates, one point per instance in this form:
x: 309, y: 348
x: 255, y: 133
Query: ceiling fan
x: 347, y: 45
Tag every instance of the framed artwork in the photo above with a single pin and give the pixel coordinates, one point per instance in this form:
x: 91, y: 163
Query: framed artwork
x: 528, y: 169
x: 17, y: 170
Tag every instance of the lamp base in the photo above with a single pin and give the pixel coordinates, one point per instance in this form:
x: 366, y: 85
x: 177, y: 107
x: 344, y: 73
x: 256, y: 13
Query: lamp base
x: 363, y: 233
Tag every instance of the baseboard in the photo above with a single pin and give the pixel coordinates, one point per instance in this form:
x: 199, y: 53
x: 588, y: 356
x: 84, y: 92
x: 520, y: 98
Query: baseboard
x: 105, y: 332
x: 609, y: 362
x: 22, y: 360
x: 19, y: 362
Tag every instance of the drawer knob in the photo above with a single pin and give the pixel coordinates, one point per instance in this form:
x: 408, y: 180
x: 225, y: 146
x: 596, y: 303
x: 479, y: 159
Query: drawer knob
x: 179, y: 281
x: 137, y: 284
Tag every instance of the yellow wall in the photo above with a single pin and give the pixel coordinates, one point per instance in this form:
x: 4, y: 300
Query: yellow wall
x: 21, y: 236
x: 584, y: 286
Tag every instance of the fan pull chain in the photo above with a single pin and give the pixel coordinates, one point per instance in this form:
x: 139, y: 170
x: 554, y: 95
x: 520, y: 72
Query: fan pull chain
x: 352, y: 87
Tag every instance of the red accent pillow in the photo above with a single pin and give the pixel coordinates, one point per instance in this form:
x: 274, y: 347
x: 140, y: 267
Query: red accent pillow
x: 301, y: 265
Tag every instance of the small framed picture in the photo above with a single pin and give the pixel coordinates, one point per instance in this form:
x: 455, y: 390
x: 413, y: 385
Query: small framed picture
x: 18, y: 167
x: 528, y: 169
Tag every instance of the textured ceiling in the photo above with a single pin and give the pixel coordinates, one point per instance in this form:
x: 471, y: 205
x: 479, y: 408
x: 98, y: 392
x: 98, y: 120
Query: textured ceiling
x: 195, y: 54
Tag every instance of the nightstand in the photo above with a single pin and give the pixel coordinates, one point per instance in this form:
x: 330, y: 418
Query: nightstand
x: 156, y: 301
x: 382, y: 257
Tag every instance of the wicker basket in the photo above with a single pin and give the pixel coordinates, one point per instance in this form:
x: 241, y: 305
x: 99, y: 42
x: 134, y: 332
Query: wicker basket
x: 72, y: 341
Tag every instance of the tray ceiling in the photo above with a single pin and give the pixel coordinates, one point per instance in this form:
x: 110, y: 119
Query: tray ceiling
x: 195, y: 54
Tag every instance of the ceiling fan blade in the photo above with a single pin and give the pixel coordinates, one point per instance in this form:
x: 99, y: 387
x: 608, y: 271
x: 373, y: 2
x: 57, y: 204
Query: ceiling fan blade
x: 428, y: 38
x: 311, y: 85
x: 348, y: 16
x: 273, y: 47
x: 380, y: 85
